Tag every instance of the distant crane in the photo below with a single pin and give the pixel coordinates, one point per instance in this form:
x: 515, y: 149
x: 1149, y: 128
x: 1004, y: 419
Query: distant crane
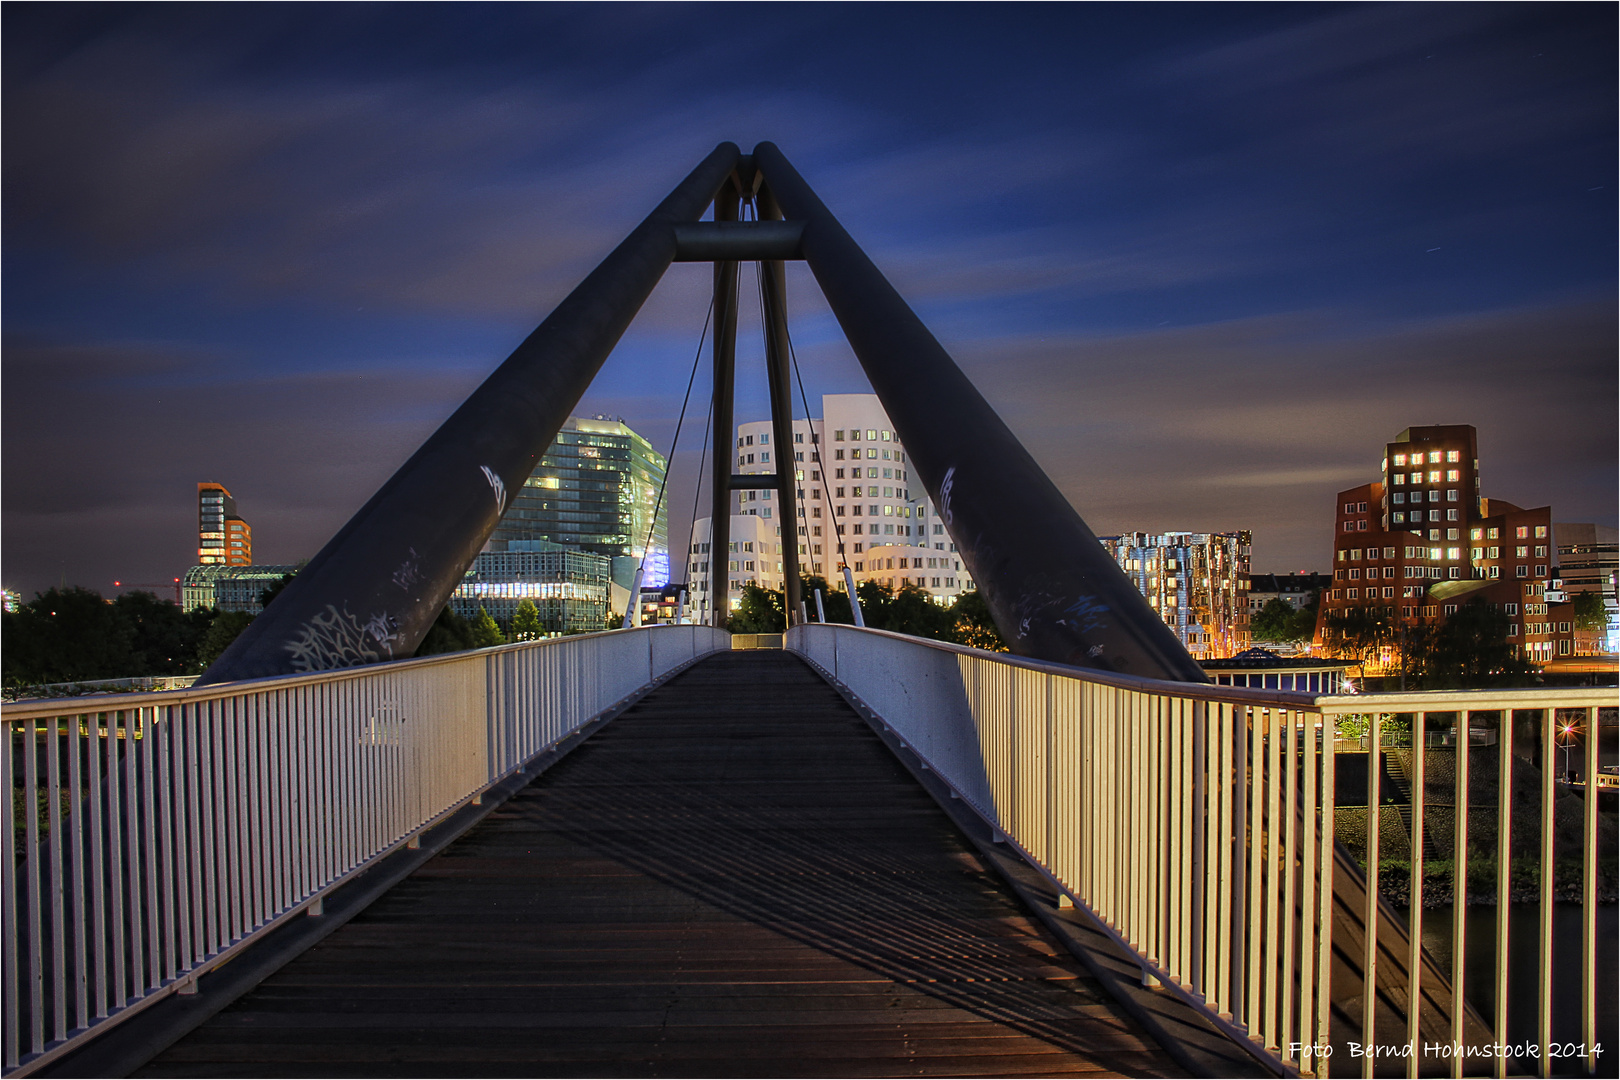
x: 175, y: 585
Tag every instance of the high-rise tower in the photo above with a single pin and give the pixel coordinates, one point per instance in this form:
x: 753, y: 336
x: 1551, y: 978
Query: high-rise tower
x: 222, y: 536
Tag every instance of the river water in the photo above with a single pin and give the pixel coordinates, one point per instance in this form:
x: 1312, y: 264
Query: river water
x: 1524, y: 930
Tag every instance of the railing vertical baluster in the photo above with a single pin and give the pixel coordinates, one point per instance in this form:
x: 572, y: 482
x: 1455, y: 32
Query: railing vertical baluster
x: 1198, y: 804
x: 1225, y: 876
x: 1285, y: 975
x: 1545, y: 937
x: 1369, y: 954
x: 1459, y: 889
x: 32, y: 885
x: 1309, y: 862
x: 1324, y: 891
x: 134, y: 869
x: 95, y: 748
x: 151, y: 857
x: 162, y: 751
x: 1256, y: 928
x: 11, y: 995
x: 53, y: 781
x: 1591, y: 731
x: 1269, y: 985
x: 77, y: 746
x: 1243, y: 916
x: 1414, y: 919
x: 1504, y: 863
x: 117, y: 734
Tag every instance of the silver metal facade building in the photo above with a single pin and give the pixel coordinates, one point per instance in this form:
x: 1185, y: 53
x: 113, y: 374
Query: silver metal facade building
x: 570, y: 589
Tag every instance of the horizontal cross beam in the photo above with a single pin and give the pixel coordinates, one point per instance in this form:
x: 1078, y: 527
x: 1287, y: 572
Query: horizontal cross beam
x: 755, y: 481
x: 738, y: 241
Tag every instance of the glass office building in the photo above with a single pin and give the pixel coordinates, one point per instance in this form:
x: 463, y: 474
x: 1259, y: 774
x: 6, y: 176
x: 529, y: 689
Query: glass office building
x: 594, y: 490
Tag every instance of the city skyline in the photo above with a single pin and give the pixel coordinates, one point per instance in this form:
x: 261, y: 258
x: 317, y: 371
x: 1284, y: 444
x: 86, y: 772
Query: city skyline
x: 275, y: 248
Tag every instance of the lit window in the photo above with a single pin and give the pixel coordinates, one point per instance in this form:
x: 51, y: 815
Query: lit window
x: 1453, y: 553
x: 1400, y: 478
x: 838, y: 436
x: 1453, y: 455
x: 871, y: 436
x: 1400, y: 517
x: 1521, y: 552
x: 1434, y: 476
x: 1522, y: 532
x: 1452, y: 476
x: 1492, y: 534
x: 1476, y: 534
x: 1434, y: 554
x: 1434, y: 457
x: 1541, y: 531
x: 1400, y: 459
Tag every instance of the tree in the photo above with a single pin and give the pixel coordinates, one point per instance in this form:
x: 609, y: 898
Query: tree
x: 874, y: 597
x: 1360, y: 630
x: 67, y: 635
x: 913, y: 611
x: 1274, y: 622
x: 1590, y: 613
x: 526, y: 624
x: 1470, y: 650
x: 449, y: 633
x: 224, y: 628
x: 972, y: 625
x: 270, y: 592
x: 760, y: 611
x: 164, y: 639
x: 834, y: 602
x: 486, y: 631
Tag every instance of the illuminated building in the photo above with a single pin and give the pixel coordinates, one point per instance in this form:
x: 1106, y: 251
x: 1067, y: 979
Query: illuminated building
x: 755, y: 558
x: 1422, y: 541
x: 594, y: 490
x: 223, y: 538
x: 1197, y: 582
x: 229, y: 588
x: 570, y: 589
x: 870, y: 505
x: 1589, y: 562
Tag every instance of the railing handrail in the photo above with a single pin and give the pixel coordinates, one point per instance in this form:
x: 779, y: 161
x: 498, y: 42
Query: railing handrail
x: 1419, y: 700
x: 166, y: 838
x: 1164, y: 809
x: 40, y: 707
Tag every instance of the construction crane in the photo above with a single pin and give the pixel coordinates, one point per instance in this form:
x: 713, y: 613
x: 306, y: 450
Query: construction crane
x: 175, y: 585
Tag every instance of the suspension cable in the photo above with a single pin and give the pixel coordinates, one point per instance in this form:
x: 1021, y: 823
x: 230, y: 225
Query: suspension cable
x: 675, y: 443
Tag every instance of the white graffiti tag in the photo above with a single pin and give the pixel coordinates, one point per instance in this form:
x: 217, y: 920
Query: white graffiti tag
x: 500, y: 488
x: 945, y: 495
x: 334, y: 639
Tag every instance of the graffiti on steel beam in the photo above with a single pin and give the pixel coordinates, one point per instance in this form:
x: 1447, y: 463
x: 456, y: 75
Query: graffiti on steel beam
x: 498, y: 486
x: 409, y: 571
x: 336, y: 639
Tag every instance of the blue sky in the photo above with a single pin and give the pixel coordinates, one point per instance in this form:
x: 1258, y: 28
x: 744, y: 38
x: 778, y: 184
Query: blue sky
x: 1205, y: 260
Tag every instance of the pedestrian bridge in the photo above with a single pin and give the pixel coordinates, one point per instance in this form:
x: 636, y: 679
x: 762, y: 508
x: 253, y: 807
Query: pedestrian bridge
x: 646, y: 853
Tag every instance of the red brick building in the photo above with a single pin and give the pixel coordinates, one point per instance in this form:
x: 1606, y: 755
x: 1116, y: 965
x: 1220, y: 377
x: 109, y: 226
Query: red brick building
x: 1423, y: 541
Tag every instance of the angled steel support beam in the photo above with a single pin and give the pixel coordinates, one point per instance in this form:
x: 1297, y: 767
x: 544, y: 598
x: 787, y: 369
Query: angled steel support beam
x: 773, y: 285
x: 1051, y: 587
x: 376, y: 587
x: 726, y: 206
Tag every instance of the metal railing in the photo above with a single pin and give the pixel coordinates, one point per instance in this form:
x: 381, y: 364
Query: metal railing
x: 151, y: 837
x: 1197, y: 824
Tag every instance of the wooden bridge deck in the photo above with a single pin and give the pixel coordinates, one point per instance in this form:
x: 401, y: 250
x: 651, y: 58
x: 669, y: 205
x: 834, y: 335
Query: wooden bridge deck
x: 734, y: 878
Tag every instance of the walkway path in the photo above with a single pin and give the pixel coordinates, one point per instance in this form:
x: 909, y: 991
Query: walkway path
x: 734, y: 878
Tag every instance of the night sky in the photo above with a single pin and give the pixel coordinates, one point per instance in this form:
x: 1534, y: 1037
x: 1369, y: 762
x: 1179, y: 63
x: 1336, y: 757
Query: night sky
x: 1204, y: 260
